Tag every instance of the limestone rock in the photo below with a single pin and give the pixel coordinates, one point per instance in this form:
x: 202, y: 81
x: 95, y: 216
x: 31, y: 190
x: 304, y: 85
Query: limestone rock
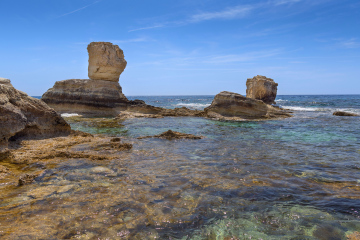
x: 106, y: 61
x: 347, y: 114
x: 5, y: 81
x: 85, y: 96
x: 173, y: 135
x: 233, y: 106
x: 261, y: 88
x: 22, y: 117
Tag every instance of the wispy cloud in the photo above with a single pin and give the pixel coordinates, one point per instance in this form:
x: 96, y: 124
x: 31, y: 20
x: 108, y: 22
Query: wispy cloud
x: 245, y: 57
x: 229, y: 13
x: 133, y: 40
x: 282, y: 2
x: 145, y: 28
x: 79, y: 9
x: 350, y: 43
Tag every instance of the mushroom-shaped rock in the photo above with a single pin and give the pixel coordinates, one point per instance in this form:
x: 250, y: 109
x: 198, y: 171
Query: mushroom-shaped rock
x: 106, y: 61
x: 261, y: 88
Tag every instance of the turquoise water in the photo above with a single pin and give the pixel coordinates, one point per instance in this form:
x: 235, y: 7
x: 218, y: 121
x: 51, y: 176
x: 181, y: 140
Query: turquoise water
x: 296, y: 178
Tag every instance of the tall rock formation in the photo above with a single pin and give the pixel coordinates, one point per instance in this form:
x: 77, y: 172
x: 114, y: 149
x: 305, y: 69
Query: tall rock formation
x: 261, y: 88
x: 106, y: 61
x: 5, y: 81
x: 233, y: 106
x: 22, y: 117
x: 99, y: 95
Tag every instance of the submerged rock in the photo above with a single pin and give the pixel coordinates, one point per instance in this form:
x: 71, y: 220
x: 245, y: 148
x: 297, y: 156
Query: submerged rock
x: 106, y: 61
x: 173, y: 135
x: 233, y: 106
x: 148, y: 111
x: 24, y: 117
x: 261, y: 88
x: 27, y: 179
x: 348, y: 114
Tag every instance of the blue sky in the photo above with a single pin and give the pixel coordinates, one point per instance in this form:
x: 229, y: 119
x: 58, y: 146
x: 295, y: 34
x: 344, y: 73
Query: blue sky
x: 186, y: 47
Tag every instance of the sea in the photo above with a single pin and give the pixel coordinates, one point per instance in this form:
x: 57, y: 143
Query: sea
x: 294, y: 178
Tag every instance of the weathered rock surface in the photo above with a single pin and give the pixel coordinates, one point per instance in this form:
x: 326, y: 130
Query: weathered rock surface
x: 106, y: 61
x: 85, y: 96
x: 233, y: 106
x: 5, y: 81
x: 27, y: 179
x: 347, y: 114
x: 148, y: 111
x: 22, y: 117
x: 170, y: 135
x: 261, y: 88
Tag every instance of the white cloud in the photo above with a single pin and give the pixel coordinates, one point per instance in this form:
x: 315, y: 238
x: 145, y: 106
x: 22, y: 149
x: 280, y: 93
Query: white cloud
x: 245, y: 57
x: 133, y: 40
x: 79, y: 9
x: 282, y: 2
x: 229, y: 13
x: 145, y: 28
x: 350, y: 43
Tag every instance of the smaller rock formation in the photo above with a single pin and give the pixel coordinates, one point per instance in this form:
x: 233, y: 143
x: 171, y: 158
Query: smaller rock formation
x: 5, y: 81
x: 24, y: 117
x: 233, y: 106
x: 348, y: 114
x: 148, y: 111
x: 170, y: 135
x: 261, y: 88
x: 27, y: 179
x: 106, y: 61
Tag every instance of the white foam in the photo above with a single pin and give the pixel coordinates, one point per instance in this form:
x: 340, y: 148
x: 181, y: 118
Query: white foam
x: 304, y: 109
x: 194, y: 105
x: 281, y: 100
x: 70, y: 115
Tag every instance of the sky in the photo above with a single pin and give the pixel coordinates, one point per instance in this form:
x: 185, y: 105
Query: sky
x: 186, y: 47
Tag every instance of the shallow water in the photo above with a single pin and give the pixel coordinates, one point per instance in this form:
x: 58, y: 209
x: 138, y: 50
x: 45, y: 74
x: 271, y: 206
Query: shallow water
x: 297, y: 178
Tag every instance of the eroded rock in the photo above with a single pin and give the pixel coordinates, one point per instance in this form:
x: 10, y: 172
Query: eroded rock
x: 106, y: 61
x: 233, y: 106
x: 27, y: 179
x: 5, y: 81
x: 24, y: 117
x: 261, y: 88
x: 170, y: 135
x: 347, y: 114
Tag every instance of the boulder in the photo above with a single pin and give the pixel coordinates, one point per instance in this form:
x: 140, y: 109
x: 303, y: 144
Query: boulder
x: 347, y: 114
x: 106, y: 61
x: 5, y: 81
x: 233, y: 106
x: 261, y: 88
x: 22, y: 117
x: 86, y: 96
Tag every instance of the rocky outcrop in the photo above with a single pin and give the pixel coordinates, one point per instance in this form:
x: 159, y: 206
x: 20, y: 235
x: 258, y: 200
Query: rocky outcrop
x: 170, y: 135
x: 261, y: 88
x: 106, y: 61
x: 5, y: 81
x: 22, y: 117
x: 148, y: 111
x: 85, y: 96
x: 347, y: 114
x: 233, y: 106
x: 101, y: 95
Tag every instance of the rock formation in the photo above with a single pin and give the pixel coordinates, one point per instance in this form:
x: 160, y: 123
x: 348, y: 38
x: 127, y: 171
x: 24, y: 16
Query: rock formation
x: 261, y: 88
x: 233, y: 106
x: 22, y: 117
x: 106, y: 61
x: 5, y: 81
x: 170, y: 135
x: 99, y: 95
x: 347, y: 114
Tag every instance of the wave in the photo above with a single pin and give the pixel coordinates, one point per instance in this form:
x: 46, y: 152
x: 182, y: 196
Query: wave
x: 304, y: 109
x: 70, y: 115
x: 194, y: 105
x: 281, y: 100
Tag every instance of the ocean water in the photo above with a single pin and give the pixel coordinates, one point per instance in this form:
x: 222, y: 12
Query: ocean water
x: 295, y: 178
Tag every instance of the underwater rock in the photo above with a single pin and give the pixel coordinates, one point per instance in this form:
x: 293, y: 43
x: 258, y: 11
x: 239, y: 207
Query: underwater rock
x: 26, y: 179
x: 148, y: 111
x: 106, y: 61
x: 233, y: 106
x: 24, y: 117
x: 170, y: 135
x: 353, y: 236
x: 261, y: 88
x: 347, y: 114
